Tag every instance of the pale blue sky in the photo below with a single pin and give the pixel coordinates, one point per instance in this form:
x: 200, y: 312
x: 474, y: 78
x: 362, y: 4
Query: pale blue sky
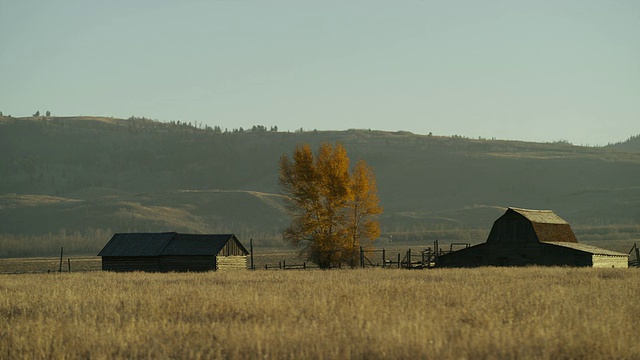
x: 527, y: 70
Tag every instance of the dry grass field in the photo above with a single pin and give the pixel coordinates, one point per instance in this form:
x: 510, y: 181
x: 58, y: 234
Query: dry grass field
x: 486, y: 313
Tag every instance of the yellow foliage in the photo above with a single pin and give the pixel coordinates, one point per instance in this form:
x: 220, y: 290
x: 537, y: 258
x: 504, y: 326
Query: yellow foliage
x: 332, y: 211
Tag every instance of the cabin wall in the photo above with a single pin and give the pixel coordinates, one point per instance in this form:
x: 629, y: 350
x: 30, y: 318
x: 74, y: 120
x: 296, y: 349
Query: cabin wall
x: 181, y: 263
x: 231, y: 248
x: 231, y: 262
x: 607, y: 261
x: 130, y: 263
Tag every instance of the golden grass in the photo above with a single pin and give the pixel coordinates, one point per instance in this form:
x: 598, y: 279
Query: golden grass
x: 487, y: 313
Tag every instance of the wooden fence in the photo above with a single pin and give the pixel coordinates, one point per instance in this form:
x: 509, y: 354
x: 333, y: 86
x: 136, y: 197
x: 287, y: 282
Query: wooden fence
x: 282, y: 265
x: 409, y: 259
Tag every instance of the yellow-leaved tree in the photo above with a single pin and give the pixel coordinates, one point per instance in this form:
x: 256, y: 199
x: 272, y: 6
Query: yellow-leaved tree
x: 333, y: 212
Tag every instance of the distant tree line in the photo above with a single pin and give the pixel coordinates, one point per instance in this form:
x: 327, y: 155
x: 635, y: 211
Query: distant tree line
x: 216, y: 129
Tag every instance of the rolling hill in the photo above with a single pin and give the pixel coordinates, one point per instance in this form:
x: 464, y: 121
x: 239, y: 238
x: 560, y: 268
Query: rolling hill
x: 76, y: 173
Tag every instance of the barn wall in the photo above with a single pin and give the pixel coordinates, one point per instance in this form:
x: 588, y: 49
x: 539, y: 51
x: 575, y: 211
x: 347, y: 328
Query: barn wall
x: 561, y: 256
x: 510, y: 228
x: 470, y: 257
x: 231, y: 262
x: 182, y: 263
x: 513, y: 254
x: 604, y: 261
x: 523, y: 254
x: 130, y: 263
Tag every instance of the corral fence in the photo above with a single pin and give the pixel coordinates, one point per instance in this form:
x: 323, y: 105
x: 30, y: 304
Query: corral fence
x: 283, y: 265
x: 426, y: 258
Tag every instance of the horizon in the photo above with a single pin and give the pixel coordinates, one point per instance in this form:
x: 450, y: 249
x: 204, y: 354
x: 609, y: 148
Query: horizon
x: 539, y: 72
x: 202, y: 126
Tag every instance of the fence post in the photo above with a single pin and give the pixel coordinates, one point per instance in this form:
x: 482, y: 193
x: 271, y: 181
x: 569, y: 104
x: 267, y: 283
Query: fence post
x: 284, y: 265
x: 361, y: 257
x: 384, y: 259
x: 398, y: 260
x: 409, y: 258
x: 69, y: 262
x: 61, y: 252
x: 304, y: 265
x: 251, y: 247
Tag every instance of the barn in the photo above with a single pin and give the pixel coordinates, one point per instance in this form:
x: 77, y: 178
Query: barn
x: 524, y: 237
x: 171, y: 251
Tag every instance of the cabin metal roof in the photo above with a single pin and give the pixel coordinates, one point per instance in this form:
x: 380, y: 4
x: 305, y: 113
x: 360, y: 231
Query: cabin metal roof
x: 169, y: 243
x: 196, y: 244
x: 136, y: 244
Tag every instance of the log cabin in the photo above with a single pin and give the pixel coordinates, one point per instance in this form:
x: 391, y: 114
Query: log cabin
x: 171, y: 251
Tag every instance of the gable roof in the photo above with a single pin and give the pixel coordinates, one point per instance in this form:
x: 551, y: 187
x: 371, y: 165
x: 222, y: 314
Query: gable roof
x: 169, y: 243
x: 200, y: 244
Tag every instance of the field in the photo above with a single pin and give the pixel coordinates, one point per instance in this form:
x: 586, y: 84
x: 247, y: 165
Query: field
x: 486, y: 313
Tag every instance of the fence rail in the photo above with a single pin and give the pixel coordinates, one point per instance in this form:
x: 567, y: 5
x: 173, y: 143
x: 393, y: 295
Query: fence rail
x: 410, y: 259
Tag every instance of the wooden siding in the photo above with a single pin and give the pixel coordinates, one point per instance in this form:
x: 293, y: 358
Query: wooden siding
x: 604, y: 261
x: 159, y: 264
x: 231, y: 262
x: 512, y: 228
x: 232, y: 248
x: 187, y: 263
x: 562, y: 256
x: 515, y: 254
x: 130, y: 263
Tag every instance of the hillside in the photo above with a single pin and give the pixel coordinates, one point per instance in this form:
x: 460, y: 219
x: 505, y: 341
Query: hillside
x: 77, y: 173
x: 632, y: 144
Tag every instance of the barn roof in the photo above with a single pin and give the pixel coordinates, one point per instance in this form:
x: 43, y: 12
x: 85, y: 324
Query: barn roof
x: 548, y: 226
x: 169, y: 243
x: 539, y: 216
x: 586, y: 248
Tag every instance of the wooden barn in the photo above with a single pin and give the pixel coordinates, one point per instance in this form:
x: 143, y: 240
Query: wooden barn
x: 170, y: 251
x: 524, y: 237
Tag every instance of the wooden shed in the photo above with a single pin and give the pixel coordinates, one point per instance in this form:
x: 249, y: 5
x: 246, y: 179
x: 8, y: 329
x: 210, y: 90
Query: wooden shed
x: 524, y: 237
x: 170, y: 251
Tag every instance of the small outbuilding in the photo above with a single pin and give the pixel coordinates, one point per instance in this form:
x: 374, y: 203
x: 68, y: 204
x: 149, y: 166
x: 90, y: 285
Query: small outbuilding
x: 524, y: 237
x: 171, y: 251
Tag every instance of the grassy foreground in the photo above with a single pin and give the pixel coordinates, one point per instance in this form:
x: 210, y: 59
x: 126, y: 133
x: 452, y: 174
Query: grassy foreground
x: 487, y: 313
